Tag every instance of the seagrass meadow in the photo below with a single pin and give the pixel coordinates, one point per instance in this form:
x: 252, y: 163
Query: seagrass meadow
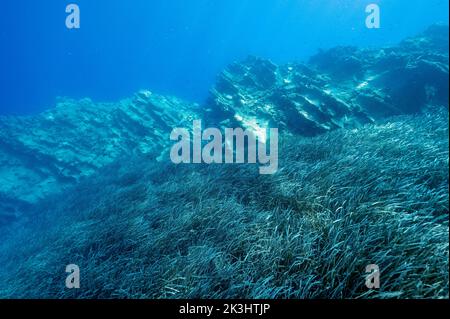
x: 378, y: 194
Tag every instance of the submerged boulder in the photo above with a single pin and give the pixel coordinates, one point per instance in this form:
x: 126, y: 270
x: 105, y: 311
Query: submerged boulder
x: 344, y: 87
x: 41, y: 154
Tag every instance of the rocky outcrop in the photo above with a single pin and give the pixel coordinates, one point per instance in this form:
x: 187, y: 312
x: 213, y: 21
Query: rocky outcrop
x: 344, y: 87
x: 41, y: 154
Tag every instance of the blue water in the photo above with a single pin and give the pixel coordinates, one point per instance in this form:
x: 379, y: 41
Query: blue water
x: 358, y: 176
x: 175, y: 47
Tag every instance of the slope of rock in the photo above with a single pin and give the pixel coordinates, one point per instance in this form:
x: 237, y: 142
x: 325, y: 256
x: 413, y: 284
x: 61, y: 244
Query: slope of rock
x: 340, y: 88
x: 41, y: 154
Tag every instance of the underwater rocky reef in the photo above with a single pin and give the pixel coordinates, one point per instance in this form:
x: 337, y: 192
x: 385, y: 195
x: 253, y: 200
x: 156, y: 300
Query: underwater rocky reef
x: 42, y: 154
x: 344, y: 87
x: 363, y: 179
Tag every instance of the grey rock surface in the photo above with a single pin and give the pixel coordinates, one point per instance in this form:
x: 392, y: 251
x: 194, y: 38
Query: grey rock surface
x: 39, y: 155
x: 344, y: 87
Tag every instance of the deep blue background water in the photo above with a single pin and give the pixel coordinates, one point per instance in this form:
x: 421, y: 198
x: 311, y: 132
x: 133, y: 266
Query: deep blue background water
x: 175, y: 47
